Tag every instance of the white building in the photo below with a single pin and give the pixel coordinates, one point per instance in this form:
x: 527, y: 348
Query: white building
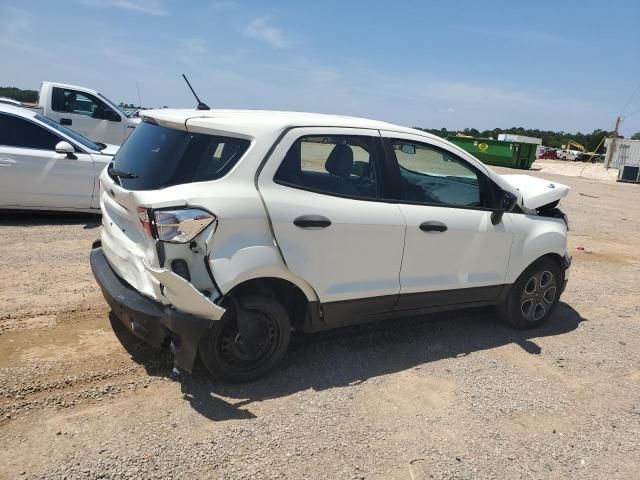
x: 512, y: 137
x: 626, y: 152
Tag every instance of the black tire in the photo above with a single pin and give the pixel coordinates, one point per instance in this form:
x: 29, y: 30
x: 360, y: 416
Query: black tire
x: 534, y: 295
x: 221, y: 349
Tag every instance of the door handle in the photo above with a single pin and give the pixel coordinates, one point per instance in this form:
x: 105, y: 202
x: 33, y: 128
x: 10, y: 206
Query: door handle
x: 433, y: 227
x: 65, y: 121
x: 7, y: 162
x: 312, y: 221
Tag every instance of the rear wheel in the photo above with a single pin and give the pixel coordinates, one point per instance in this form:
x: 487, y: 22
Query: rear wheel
x: 533, y: 296
x: 225, y: 353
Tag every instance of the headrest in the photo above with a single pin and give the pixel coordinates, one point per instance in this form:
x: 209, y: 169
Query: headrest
x: 340, y: 161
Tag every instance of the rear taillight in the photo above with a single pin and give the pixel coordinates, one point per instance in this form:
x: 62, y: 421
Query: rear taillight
x: 146, y: 217
x: 180, y: 225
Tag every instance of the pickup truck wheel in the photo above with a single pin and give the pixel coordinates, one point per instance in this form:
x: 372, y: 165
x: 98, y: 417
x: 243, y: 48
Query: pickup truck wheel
x: 224, y: 353
x: 533, y: 296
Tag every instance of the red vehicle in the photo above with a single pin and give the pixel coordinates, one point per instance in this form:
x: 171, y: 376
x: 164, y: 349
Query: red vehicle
x: 549, y: 154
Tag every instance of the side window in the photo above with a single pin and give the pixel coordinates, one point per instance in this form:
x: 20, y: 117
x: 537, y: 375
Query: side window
x: 434, y: 176
x: 17, y: 132
x: 342, y: 165
x: 81, y: 103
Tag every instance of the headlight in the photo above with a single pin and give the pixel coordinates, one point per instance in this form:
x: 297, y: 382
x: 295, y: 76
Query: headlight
x: 181, y: 225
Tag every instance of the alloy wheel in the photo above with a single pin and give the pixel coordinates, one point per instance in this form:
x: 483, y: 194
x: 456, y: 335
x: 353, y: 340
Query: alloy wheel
x: 538, y: 295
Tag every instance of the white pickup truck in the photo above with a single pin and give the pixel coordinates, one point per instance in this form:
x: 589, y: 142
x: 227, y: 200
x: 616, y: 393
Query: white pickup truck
x: 86, y: 111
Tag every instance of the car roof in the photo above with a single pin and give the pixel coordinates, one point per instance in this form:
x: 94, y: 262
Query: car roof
x: 68, y: 85
x: 10, y: 101
x: 245, y: 121
x: 15, y: 110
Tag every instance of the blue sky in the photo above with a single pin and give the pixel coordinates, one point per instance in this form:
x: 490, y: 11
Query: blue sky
x: 564, y: 65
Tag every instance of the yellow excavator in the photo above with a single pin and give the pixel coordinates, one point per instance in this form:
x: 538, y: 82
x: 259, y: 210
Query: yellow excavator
x: 577, y: 145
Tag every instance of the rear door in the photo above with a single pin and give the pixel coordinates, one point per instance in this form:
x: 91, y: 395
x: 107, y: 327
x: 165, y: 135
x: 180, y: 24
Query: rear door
x: 32, y: 174
x: 453, y: 254
x: 324, y: 189
x: 88, y: 115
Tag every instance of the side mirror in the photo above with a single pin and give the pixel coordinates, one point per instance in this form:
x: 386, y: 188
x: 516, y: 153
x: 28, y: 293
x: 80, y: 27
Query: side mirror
x: 407, y: 148
x: 106, y: 113
x: 66, y: 148
x: 112, y: 116
x: 506, y: 202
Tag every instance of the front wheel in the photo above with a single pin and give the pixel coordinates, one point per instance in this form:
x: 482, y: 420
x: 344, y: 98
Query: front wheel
x: 533, y: 296
x: 226, y: 356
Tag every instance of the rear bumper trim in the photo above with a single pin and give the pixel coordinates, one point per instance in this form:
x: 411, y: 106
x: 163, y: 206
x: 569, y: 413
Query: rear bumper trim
x: 566, y: 264
x: 149, y: 320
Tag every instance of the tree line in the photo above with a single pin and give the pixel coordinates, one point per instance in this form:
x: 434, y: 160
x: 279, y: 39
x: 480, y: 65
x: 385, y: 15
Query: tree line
x: 590, y: 141
x: 549, y: 138
x: 27, y: 96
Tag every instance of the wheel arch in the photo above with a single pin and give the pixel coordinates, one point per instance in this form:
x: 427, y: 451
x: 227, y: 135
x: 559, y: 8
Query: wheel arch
x: 287, y: 293
x: 556, y: 257
x: 538, y: 237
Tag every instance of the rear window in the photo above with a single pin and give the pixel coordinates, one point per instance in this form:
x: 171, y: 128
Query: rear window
x: 161, y: 157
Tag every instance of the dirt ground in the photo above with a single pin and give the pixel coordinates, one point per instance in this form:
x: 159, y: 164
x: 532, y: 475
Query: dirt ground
x: 456, y: 395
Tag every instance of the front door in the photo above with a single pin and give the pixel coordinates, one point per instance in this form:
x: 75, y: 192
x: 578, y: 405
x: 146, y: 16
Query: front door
x: 88, y: 115
x: 453, y: 253
x: 32, y: 174
x: 322, y: 188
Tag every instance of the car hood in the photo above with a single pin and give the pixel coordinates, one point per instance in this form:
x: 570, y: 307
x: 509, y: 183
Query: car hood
x: 536, y: 192
x: 110, y: 149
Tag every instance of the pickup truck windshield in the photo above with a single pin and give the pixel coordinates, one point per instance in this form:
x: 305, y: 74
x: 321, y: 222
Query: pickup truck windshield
x: 69, y: 133
x: 155, y: 157
x: 114, y: 105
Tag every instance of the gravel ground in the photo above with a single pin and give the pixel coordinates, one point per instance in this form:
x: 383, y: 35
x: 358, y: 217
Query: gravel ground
x: 456, y: 395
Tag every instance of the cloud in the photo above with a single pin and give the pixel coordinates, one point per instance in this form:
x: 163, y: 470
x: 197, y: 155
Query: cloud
x: 17, y: 21
x: 531, y: 37
x: 25, y: 48
x: 312, y: 72
x: 15, y: 29
x: 122, y: 56
x: 260, y: 28
x: 148, y: 7
x: 194, y: 45
x: 220, y: 4
x: 191, y: 51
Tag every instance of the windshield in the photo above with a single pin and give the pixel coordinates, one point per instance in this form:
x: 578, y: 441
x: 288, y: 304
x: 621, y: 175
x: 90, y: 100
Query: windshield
x: 70, y: 133
x: 155, y: 157
x: 113, y: 105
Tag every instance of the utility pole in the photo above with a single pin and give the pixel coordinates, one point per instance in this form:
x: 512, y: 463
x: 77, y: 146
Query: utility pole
x: 612, y: 146
x: 139, y: 100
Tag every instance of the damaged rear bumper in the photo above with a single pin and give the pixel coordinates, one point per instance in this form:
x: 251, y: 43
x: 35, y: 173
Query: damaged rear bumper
x: 149, y: 320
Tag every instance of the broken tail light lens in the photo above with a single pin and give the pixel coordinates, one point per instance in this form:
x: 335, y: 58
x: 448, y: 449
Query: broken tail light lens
x: 181, y: 225
x: 145, y: 215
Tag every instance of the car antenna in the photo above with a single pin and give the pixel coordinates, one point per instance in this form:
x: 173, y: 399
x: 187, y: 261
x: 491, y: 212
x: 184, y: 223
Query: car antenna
x: 201, y: 106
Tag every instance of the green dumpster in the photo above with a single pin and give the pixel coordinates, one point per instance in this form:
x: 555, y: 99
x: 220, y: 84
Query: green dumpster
x: 497, y: 152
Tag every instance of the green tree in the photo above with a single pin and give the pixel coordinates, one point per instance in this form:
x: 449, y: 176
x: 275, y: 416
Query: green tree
x: 28, y: 96
x: 635, y: 136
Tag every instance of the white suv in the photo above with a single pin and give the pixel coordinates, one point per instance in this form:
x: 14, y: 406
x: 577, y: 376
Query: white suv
x: 223, y: 230
x: 568, y: 154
